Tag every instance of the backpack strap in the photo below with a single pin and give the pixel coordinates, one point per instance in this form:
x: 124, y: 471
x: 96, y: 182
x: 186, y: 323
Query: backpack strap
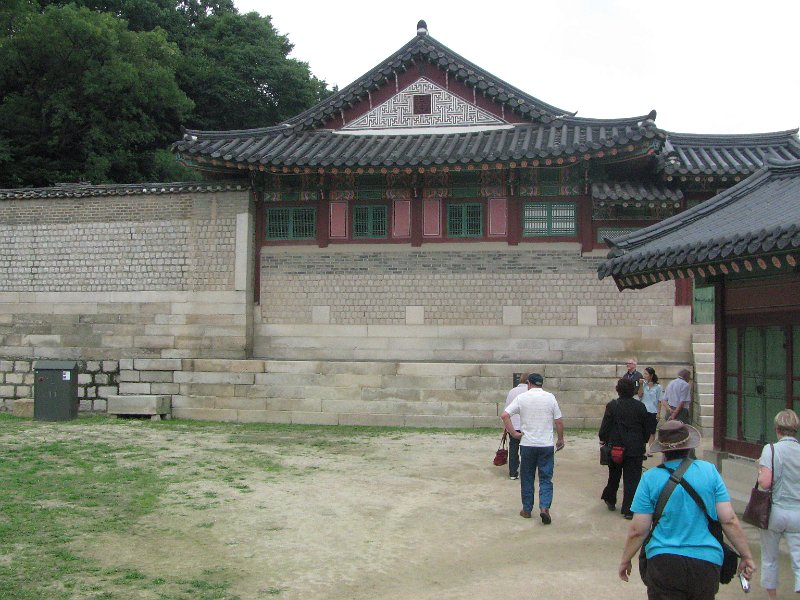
x: 675, y: 477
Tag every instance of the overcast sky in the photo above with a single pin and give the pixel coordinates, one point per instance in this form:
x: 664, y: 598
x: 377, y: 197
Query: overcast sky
x: 706, y: 66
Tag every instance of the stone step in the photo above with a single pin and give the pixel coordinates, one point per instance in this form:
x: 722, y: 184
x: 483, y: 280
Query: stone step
x: 703, y: 347
x: 704, y: 358
x: 155, y: 406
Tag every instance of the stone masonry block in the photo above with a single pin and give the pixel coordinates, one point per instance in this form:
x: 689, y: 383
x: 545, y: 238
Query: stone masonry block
x: 104, y: 391
x: 22, y: 407
x: 292, y: 404
x: 438, y: 421
x: 512, y: 315
x: 439, y: 369
x: 482, y: 383
x: 157, y: 364
x: 380, y: 393
x: 580, y: 371
x: 156, y: 376
x: 129, y: 376
x: 587, y: 315
x: 354, y: 381
x: 358, y: 368
x: 139, y: 405
x: 241, y: 403
x: 321, y: 314
x: 134, y: 388
x: 214, y: 377
x: 314, y: 418
x: 415, y: 315
x: 205, y: 414
x: 293, y: 366
x: 447, y: 382
x: 372, y: 420
x: 263, y: 416
x: 229, y: 366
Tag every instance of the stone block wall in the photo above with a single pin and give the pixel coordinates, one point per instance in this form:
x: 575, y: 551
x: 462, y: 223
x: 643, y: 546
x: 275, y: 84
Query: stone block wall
x: 466, y: 302
x: 98, y: 274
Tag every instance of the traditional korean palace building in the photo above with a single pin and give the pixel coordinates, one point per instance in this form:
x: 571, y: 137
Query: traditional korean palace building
x: 393, y: 255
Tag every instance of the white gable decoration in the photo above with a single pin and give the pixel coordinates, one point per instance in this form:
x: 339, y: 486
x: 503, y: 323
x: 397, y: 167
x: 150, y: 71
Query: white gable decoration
x: 447, y: 110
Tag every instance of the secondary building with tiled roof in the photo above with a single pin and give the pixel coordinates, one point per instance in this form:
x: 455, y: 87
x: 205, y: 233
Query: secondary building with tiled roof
x: 744, y: 244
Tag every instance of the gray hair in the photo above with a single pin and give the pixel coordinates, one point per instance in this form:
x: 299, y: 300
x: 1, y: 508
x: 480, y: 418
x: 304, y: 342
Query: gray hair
x: 787, y: 422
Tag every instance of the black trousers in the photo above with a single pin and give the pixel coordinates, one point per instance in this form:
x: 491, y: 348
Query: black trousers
x: 675, y: 577
x: 513, y: 456
x: 631, y: 472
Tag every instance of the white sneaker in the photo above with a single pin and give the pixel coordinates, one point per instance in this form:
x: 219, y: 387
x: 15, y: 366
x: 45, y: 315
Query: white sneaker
x: 514, y: 477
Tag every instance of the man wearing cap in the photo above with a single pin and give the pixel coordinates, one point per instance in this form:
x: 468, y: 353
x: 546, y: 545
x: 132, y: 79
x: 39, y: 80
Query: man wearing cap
x: 683, y: 557
x: 539, y: 413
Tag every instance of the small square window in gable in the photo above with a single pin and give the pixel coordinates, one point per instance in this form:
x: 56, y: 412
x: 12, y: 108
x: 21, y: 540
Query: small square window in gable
x: 422, y: 104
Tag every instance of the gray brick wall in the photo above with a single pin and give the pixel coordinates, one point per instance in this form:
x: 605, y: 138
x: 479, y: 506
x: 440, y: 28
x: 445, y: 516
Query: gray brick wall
x: 455, y: 288
x: 141, y: 242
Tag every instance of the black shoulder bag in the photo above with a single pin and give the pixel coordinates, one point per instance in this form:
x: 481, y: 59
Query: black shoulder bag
x: 730, y: 558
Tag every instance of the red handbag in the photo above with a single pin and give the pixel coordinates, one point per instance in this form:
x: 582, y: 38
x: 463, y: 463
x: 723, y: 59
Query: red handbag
x: 501, y: 456
x: 617, y: 454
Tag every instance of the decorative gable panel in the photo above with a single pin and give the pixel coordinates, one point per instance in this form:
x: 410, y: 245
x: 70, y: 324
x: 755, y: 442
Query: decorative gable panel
x: 446, y: 109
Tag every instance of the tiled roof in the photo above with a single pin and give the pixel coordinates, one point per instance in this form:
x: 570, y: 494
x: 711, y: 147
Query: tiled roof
x: 81, y: 190
x: 424, y: 48
x: 755, y: 219
x: 719, y: 155
x: 636, y: 191
x: 566, y: 137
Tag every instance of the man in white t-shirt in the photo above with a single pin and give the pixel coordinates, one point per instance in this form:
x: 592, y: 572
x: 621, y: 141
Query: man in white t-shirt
x: 513, y: 443
x: 539, y: 413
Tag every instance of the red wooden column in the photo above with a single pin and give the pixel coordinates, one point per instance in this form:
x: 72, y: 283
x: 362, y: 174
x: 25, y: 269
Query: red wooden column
x: 416, y: 222
x: 323, y: 222
x: 683, y: 291
x: 514, y: 220
x: 585, y: 233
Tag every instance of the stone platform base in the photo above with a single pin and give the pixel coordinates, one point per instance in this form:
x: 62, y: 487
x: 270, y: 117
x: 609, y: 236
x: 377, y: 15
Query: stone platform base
x: 154, y: 406
x: 23, y: 407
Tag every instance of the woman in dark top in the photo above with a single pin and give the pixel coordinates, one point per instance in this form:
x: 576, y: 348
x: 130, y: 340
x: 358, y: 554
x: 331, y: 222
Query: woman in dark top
x: 624, y: 424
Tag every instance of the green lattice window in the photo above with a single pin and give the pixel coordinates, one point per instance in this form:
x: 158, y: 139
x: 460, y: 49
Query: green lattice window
x: 549, y: 219
x: 369, y: 221
x: 464, y: 220
x: 296, y: 223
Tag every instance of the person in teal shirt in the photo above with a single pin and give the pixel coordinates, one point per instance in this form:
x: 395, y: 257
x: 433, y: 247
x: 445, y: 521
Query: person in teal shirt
x: 683, y: 557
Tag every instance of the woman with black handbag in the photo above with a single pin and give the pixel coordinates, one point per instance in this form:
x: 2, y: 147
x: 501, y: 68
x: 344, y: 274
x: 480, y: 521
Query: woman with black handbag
x: 784, y: 518
x: 624, y: 429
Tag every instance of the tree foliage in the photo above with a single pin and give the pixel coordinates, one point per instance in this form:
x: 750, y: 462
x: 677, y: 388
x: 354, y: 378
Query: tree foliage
x: 96, y: 90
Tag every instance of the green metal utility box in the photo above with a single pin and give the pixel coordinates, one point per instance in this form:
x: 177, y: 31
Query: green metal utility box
x: 55, y: 390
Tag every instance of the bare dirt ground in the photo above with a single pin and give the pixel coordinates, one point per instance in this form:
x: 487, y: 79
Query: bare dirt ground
x: 405, y: 515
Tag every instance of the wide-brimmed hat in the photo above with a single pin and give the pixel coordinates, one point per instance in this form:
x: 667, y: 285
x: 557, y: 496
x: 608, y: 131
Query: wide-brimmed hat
x: 675, y: 435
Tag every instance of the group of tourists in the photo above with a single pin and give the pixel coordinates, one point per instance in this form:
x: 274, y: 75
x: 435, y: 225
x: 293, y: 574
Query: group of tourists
x: 679, y: 508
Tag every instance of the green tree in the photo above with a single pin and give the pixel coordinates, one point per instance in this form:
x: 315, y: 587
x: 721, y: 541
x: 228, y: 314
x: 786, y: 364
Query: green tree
x: 84, y: 98
x: 237, y: 70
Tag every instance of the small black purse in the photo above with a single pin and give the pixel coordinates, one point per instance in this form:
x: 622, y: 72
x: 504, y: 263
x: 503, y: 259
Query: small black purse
x: 605, y: 454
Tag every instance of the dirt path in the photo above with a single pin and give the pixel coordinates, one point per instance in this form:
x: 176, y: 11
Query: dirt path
x: 403, y: 516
